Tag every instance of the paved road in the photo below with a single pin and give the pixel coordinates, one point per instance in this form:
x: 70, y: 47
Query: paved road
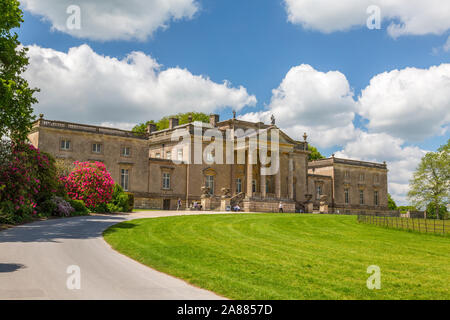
x: 34, y: 259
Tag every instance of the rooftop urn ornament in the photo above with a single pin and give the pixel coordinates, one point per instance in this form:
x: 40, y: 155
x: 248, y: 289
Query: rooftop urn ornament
x: 234, y: 114
x: 272, y: 120
x: 41, y: 116
x: 305, y: 136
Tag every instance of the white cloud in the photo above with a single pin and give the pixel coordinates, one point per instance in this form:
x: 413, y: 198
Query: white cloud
x: 84, y: 86
x: 412, y: 104
x: 319, y: 103
x: 114, y: 19
x: 406, y: 17
x: 402, y: 160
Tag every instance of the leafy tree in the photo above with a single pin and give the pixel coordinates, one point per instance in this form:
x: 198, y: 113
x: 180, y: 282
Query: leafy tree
x: 431, y: 181
x: 433, y: 213
x: 404, y: 209
x: 163, y: 123
x: 315, y: 154
x: 16, y: 98
x: 391, y: 203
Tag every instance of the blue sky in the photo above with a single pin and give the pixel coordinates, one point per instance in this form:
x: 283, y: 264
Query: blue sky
x: 255, y: 43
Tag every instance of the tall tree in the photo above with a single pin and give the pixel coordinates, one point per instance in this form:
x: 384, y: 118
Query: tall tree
x: 16, y: 98
x: 391, y: 203
x: 431, y: 181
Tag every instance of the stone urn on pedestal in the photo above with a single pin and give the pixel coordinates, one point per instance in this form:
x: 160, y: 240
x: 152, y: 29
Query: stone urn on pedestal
x: 206, y: 198
x: 225, y: 201
x: 309, y: 207
x: 323, y: 204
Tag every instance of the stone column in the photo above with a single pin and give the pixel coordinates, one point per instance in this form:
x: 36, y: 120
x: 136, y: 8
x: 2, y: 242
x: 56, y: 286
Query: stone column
x: 278, y: 182
x: 291, y: 178
x: 249, y: 175
x: 263, y: 186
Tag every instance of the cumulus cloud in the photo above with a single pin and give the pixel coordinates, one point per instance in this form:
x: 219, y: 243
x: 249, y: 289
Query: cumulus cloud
x: 83, y: 86
x: 307, y: 100
x: 402, y: 160
x: 113, y: 19
x: 411, y: 103
x: 406, y: 17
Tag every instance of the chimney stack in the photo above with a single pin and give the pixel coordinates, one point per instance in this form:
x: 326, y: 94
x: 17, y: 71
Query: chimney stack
x: 151, y: 127
x: 213, y: 119
x: 173, y: 122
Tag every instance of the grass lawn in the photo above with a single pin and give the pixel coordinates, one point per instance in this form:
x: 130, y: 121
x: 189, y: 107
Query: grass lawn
x: 287, y: 256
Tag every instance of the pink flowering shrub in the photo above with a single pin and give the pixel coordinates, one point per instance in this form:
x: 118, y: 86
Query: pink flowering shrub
x: 90, y: 182
x: 27, y: 178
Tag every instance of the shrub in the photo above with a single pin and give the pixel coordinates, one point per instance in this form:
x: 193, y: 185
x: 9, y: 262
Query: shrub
x: 63, y: 208
x: 90, y: 182
x: 101, y: 208
x: 27, y: 179
x: 47, y: 207
x: 79, y: 206
x: 121, y: 200
x: 130, y: 201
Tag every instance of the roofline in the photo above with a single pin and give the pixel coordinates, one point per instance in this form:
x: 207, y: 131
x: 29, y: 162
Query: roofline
x: 332, y: 160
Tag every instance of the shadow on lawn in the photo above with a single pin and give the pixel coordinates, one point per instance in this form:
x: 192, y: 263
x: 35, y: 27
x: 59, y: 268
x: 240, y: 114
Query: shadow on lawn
x: 118, y: 227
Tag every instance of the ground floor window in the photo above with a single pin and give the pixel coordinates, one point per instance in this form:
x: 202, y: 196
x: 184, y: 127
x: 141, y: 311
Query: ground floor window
x: 65, y: 145
x: 346, y: 196
x: 96, y: 148
x: 166, y: 180
x: 361, y: 196
x: 318, y: 192
x: 375, y: 198
x: 253, y: 185
x: 124, y: 179
x: 210, y: 184
x: 238, y: 185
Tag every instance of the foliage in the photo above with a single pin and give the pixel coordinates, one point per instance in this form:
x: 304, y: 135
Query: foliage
x: 101, y: 208
x: 90, y: 182
x: 163, y: 123
x: 63, y: 207
x: 404, y: 209
x: 431, y: 181
x: 120, y: 201
x: 63, y: 167
x: 130, y: 201
x: 16, y: 98
x: 391, y: 203
x: 28, y: 178
x: 47, y: 207
x: 315, y: 154
x: 79, y: 207
x: 441, y: 214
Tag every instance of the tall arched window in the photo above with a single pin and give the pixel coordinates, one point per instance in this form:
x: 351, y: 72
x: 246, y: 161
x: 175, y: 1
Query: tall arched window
x: 210, y: 184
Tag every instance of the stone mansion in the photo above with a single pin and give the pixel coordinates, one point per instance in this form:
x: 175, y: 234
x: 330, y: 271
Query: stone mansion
x: 144, y: 165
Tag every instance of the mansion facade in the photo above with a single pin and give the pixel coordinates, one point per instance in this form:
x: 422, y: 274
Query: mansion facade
x: 160, y: 169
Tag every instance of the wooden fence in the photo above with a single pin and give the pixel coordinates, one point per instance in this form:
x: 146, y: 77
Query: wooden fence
x: 414, y: 224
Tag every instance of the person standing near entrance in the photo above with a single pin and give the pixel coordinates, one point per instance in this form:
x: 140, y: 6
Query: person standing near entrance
x: 280, y: 208
x: 178, y: 204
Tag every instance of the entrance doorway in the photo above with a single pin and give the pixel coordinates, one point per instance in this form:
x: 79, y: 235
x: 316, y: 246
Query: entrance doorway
x: 166, y: 204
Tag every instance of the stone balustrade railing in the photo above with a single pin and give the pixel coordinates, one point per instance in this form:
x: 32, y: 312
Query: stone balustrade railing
x: 87, y: 128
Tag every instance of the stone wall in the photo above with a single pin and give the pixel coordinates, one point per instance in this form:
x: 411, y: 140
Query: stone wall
x: 267, y: 206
